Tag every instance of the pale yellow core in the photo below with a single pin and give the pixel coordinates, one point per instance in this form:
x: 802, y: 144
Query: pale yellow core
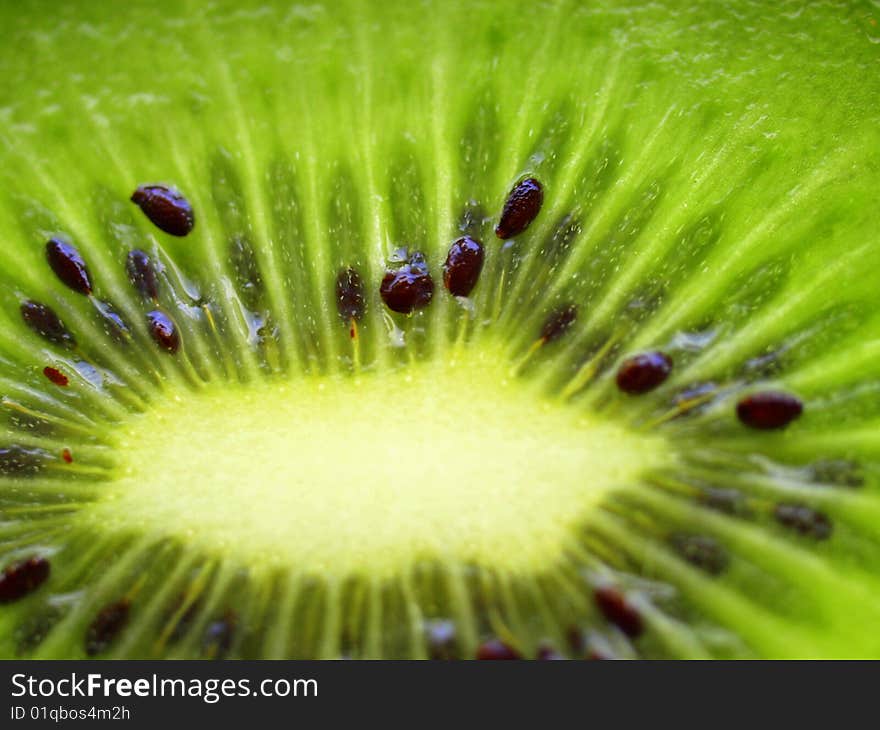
x: 340, y: 475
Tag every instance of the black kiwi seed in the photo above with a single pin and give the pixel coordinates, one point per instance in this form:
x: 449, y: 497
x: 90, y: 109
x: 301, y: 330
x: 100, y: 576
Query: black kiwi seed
x: 805, y: 520
x: 350, y: 297
x: 558, y: 322
x: 768, y: 410
x: 217, y: 640
x: 106, y: 626
x: 23, y: 577
x: 701, y: 551
x: 68, y: 265
x: 618, y: 610
x: 521, y: 207
x: 642, y: 373
x: 463, y: 266
x: 440, y: 638
x: 142, y: 274
x: 19, y: 461
x: 167, y: 209
x: 495, y: 649
x: 163, y: 331
x: 56, y: 376
x: 409, y: 287
x: 43, y: 320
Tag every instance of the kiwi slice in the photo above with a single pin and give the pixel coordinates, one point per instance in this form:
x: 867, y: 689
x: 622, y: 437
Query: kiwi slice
x: 442, y: 329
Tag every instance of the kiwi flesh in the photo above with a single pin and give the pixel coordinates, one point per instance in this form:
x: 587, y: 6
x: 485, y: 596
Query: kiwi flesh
x: 439, y: 330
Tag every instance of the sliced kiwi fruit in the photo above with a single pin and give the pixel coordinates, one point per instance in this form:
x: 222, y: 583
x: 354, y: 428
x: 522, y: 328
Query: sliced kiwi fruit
x: 439, y: 330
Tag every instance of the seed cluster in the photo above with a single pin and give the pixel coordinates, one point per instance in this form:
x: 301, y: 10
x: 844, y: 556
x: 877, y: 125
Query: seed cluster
x: 407, y: 286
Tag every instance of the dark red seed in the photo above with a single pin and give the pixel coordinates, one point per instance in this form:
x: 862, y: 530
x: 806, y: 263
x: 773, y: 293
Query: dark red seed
x: 576, y: 640
x: 441, y: 640
x: 167, y: 209
x: 618, y: 610
x: 68, y: 265
x: 23, y: 577
x: 409, y: 287
x: 142, y: 274
x: 163, y: 331
x: 494, y: 649
x: 56, y: 376
x: 106, y: 626
x: 19, y: 461
x: 43, y: 320
x: 548, y: 653
x: 350, y: 297
x: 67, y: 456
x: 805, y: 520
x: 702, y: 552
x: 768, y: 410
x: 463, y: 266
x: 521, y: 207
x: 558, y: 323
x: 642, y: 373
x: 218, y: 637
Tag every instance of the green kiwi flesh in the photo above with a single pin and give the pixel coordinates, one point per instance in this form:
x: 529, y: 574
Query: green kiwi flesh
x: 651, y: 428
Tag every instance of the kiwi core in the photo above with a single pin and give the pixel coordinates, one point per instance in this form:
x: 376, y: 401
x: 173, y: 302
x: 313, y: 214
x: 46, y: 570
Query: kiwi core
x: 453, y: 461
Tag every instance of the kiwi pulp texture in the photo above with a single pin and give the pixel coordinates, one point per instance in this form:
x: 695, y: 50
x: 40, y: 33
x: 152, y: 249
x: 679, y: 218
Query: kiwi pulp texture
x: 226, y: 441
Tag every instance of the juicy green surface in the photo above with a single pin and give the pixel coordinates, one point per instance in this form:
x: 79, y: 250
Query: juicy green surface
x: 717, y: 167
